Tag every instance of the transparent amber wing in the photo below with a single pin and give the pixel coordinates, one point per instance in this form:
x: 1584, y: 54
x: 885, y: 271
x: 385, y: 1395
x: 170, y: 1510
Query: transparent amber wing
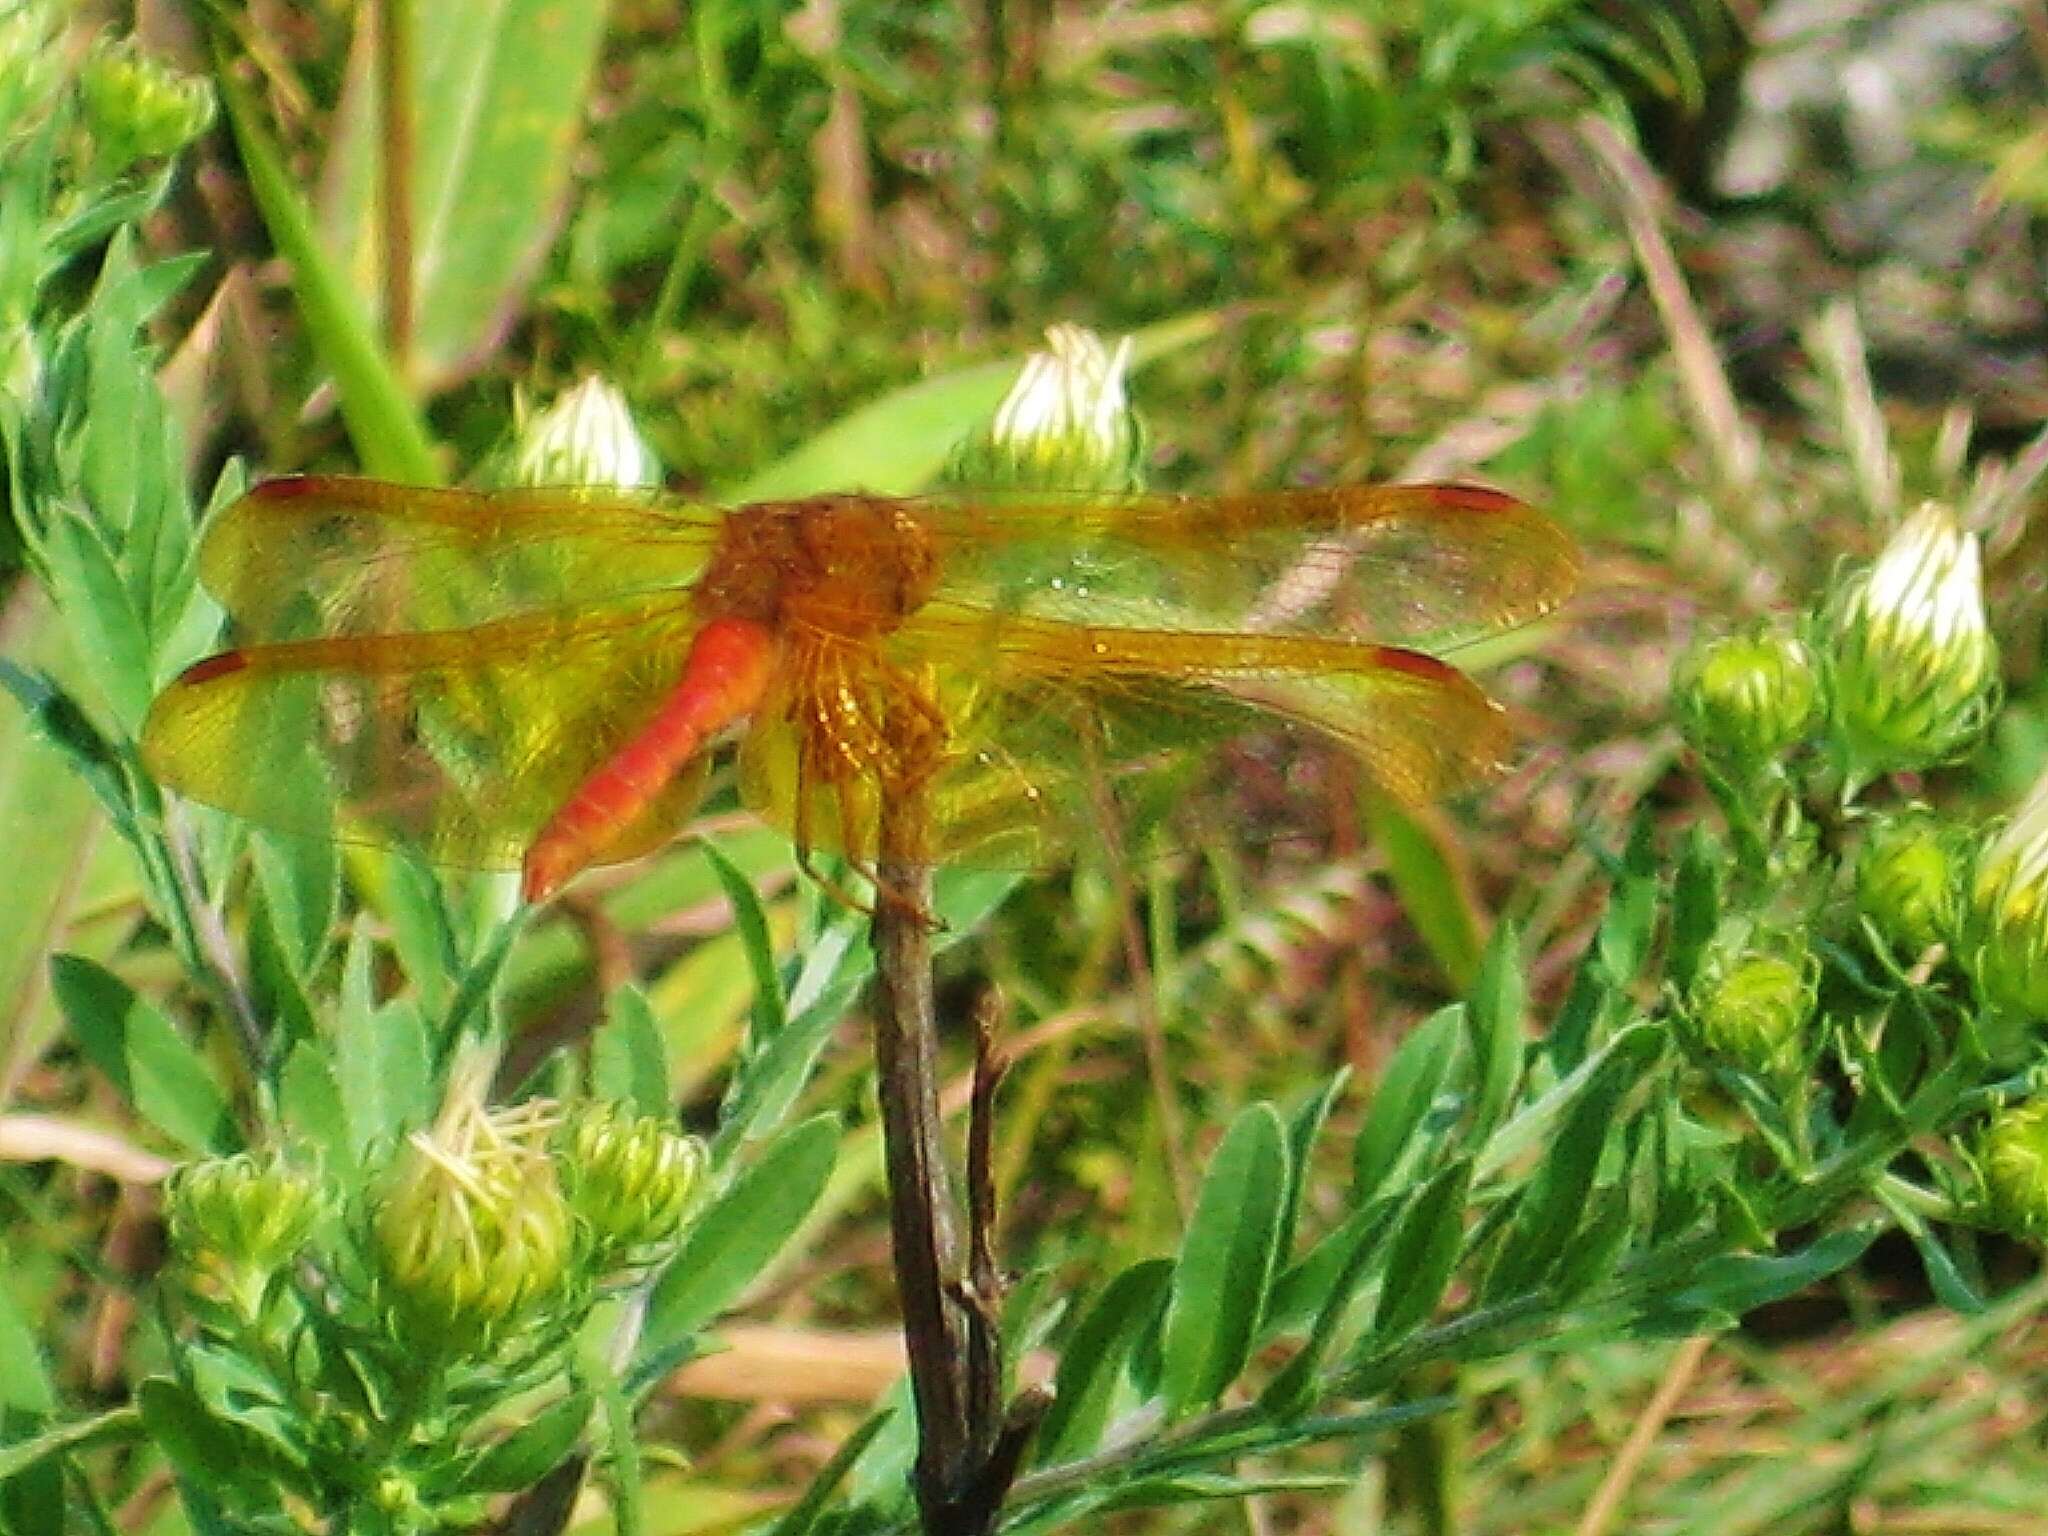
x: 321, y: 555
x: 457, y: 743
x: 1051, y: 727
x: 1425, y: 566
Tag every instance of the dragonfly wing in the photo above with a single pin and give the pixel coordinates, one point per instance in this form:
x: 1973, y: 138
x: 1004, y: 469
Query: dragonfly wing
x: 1426, y: 566
x: 1075, y: 726
x: 320, y: 555
x: 1051, y: 728
x: 459, y: 744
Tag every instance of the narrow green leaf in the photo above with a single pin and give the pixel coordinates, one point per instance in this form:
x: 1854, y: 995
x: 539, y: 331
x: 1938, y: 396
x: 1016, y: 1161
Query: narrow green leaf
x: 113, y: 644
x: 1558, y: 1196
x: 24, y: 1382
x: 530, y: 1451
x: 1423, y: 1254
x: 1226, y: 1262
x: 1304, y: 1127
x: 1695, y: 905
x: 63, y: 1438
x: 1951, y: 1287
x: 143, y: 1055
x: 310, y: 1105
x: 1293, y: 1390
x: 300, y: 878
x: 389, y: 436
x: 1734, y: 1284
x: 384, y: 1068
x: 733, y: 1239
x: 500, y: 93
x: 1433, y: 892
x: 1417, y: 1074
x: 771, y: 1012
x: 214, y: 1455
x: 802, y: 1516
x: 1496, y: 1017
x: 1623, y: 942
x: 1092, y: 1364
x: 628, y: 1062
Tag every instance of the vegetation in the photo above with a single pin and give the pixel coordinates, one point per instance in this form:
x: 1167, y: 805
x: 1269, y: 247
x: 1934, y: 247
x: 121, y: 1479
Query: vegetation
x: 1656, y: 1140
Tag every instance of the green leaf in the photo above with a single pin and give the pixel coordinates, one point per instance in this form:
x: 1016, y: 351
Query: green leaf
x: 1558, y: 1195
x: 499, y: 96
x: 802, y: 1516
x: 1303, y: 1130
x: 1695, y: 906
x: 771, y: 1008
x: 1499, y: 1007
x: 383, y: 1065
x: 389, y: 436
x: 1423, y: 1254
x: 1623, y: 942
x: 1413, y: 1079
x: 63, y: 1438
x: 112, y: 643
x: 24, y: 1382
x: 1226, y: 1262
x: 1092, y: 1364
x: 628, y: 1062
x: 1352, y: 1250
x: 733, y: 1239
x: 143, y: 1055
x: 300, y: 878
x: 1951, y: 1287
x: 212, y: 1454
x: 1423, y: 869
x: 1727, y: 1287
x: 532, y: 1450
x: 310, y: 1105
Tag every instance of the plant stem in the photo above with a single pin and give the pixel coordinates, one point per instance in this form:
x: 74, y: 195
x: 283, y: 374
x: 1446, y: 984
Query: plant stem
x: 394, y: 105
x: 923, y: 1218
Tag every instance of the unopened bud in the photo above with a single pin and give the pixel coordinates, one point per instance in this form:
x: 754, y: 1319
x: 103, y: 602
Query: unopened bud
x: 470, y: 1230
x: 2013, y: 1161
x: 1750, y: 1005
x: 1066, y: 424
x: 1744, y: 699
x: 587, y: 437
x: 1906, y: 880
x: 138, y: 108
x: 2004, y: 940
x: 1912, y: 667
x: 629, y: 1179
x: 237, y: 1222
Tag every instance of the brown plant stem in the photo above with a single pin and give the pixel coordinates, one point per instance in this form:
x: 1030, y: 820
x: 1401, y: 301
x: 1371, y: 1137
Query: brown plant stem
x: 923, y: 1216
x: 394, y: 107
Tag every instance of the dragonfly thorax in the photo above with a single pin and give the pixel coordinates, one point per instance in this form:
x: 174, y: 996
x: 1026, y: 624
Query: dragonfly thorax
x: 852, y: 566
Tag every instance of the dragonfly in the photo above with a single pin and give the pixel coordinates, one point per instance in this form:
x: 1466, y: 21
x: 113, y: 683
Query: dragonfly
x: 538, y: 679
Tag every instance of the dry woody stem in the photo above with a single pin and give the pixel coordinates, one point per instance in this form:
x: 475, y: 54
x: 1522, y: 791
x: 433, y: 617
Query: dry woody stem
x: 967, y: 1453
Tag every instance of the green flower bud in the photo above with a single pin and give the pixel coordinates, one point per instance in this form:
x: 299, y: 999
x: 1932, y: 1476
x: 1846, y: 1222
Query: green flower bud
x: 1066, y: 424
x: 1912, y: 667
x: 1744, y: 699
x: 1906, y: 881
x: 2013, y: 1162
x: 629, y: 1178
x: 1750, y: 1005
x: 236, y: 1222
x: 28, y: 65
x: 587, y: 437
x: 2004, y: 941
x: 140, y: 109
x: 469, y: 1232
